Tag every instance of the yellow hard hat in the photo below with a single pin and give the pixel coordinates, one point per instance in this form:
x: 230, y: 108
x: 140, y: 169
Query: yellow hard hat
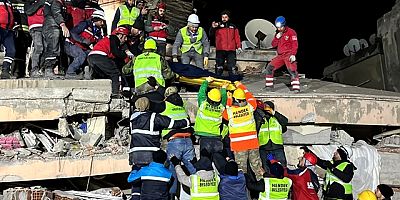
x: 367, y: 195
x: 239, y: 94
x: 150, y: 44
x: 215, y: 95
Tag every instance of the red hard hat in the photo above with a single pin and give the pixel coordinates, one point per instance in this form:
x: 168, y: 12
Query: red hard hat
x: 161, y: 5
x: 311, y: 158
x: 120, y: 30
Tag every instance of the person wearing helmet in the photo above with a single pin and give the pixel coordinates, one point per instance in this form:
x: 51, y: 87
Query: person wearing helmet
x: 83, y: 37
x: 242, y: 129
x: 339, y: 173
x: 209, y: 116
x: 384, y: 192
x: 108, y: 56
x: 271, y: 124
x: 227, y: 43
x: 125, y: 15
x: 193, y: 43
x: 366, y: 195
x: 157, y: 27
x: 285, y: 41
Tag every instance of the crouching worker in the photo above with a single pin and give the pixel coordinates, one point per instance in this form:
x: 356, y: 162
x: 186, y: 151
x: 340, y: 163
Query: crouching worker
x: 155, y: 179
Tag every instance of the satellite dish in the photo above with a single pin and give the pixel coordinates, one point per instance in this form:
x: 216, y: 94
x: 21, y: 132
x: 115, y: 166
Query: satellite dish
x: 354, y: 46
x: 260, y: 33
x: 363, y: 44
x: 346, y: 50
x: 372, y: 39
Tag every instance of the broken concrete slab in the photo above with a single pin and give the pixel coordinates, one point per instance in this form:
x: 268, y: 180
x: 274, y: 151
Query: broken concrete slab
x: 91, y: 95
x: 340, y: 137
x: 104, y: 84
x: 91, y: 140
x: 63, y: 127
x: 389, y: 173
x: 307, y: 135
x: 97, y: 125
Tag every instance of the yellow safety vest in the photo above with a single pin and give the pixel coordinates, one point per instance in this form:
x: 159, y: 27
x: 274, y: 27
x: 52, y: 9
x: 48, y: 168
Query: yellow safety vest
x: 204, y: 189
x: 187, y: 45
x: 331, y: 178
x: 126, y: 17
x: 174, y: 112
x: 146, y: 65
x: 270, y: 130
x: 208, y: 119
x: 276, y: 189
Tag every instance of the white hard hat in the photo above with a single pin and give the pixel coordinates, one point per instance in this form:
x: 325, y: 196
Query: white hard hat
x: 347, y: 150
x: 193, y: 18
x: 99, y: 14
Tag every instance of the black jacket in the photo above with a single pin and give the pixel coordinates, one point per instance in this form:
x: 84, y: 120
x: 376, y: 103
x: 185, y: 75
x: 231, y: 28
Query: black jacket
x: 261, y: 116
x: 20, y: 17
x: 55, y: 13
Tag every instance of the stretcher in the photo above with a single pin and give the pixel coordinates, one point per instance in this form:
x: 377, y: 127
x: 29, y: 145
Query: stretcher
x: 217, y: 83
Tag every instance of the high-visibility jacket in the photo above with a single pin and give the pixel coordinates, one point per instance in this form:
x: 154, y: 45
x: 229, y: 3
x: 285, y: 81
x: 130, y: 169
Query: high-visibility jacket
x: 127, y: 17
x: 174, y: 112
x: 208, y: 120
x: 276, y: 189
x: 187, y: 44
x: 242, y: 128
x: 270, y: 130
x: 146, y: 65
x: 331, y: 178
x: 204, y: 189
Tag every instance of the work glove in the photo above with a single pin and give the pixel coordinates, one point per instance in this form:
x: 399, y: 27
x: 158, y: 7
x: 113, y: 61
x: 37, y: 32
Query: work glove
x: 306, y: 149
x: 152, y: 81
x: 175, y: 161
x: 225, y: 85
x: 210, y: 79
x: 129, y: 54
x: 175, y: 59
x: 127, y: 68
x: 292, y: 58
x: 239, y: 51
x: 205, y: 61
x: 278, y: 35
x: 64, y: 30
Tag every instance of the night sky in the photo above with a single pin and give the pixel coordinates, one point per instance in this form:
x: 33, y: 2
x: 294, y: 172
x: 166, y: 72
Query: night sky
x: 323, y: 27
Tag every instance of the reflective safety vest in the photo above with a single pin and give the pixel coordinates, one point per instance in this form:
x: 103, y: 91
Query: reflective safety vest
x: 147, y: 64
x: 331, y: 178
x: 204, y: 189
x: 208, y: 119
x: 242, y: 128
x: 174, y: 112
x: 270, y: 130
x: 187, y: 45
x: 127, y: 17
x: 275, y: 188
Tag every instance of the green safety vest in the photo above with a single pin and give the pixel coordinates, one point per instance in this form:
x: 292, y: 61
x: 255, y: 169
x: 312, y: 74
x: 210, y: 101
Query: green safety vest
x: 174, y: 112
x: 270, y: 130
x: 208, y: 119
x: 126, y: 17
x: 276, y: 188
x: 147, y: 64
x: 331, y: 178
x: 204, y: 189
x: 187, y: 45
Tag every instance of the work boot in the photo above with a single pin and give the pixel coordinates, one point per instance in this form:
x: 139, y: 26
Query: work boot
x: 74, y: 76
x: 36, y: 73
x: 5, y: 74
x: 87, y: 73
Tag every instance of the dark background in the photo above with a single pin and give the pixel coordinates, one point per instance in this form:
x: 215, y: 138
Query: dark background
x: 323, y: 27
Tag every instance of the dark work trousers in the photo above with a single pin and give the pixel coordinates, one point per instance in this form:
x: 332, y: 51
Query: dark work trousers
x: 22, y: 42
x: 161, y: 47
x: 7, y: 40
x: 79, y: 57
x: 38, y: 47
x: 230, y: 57
x: 104, y: 67
x: 279, y: 155
x: 52, y: 37
x: 211, y: 144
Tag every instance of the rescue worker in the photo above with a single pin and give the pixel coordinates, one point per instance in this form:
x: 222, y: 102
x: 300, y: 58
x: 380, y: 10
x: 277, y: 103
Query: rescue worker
x: 54, y: 26
x: 106, y: 57
x: 273, y: 185
x: 384, y: 192
x: 193, y: 43
x: 90, y: 7
x: 270, y: 126
x: 7, y: 37
x: 242, y: 129
x: 179, y: 140
x: 34, y: 10
x: 76, y: 11
x: 340, y: 172
x: 366, y: 195
x: 286, y: 42
x: 227, y: 43
x: 208, y: 124
x: 156, y: 26
x: 83, y: 37
x: 155, y: 179
x: 204, y: 183
x: 149, y: 64
x: 125, y: 15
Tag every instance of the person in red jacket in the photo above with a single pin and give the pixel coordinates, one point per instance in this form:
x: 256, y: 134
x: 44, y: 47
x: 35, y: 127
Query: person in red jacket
x: 286, y: 42
x: 7, y: 36
x: 157, y: 26
x: 227, y: 42
x: 76, y: 12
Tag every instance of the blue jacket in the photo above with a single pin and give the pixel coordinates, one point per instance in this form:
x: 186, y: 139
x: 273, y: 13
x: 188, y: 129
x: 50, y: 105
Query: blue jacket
x: 233, y: 187
x: 155, y: 180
